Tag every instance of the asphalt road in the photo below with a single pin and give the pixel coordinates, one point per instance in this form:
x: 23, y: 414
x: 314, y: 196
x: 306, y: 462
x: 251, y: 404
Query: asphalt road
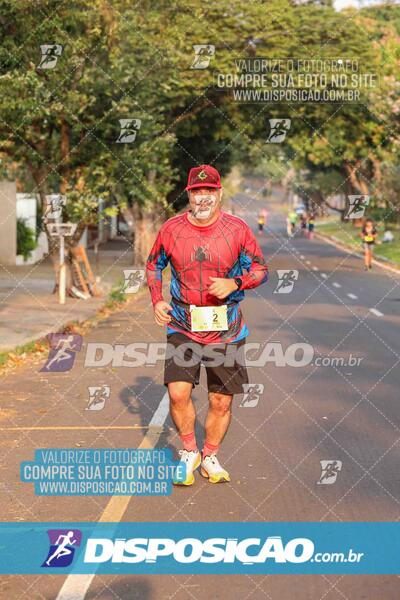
x: 305, y: 414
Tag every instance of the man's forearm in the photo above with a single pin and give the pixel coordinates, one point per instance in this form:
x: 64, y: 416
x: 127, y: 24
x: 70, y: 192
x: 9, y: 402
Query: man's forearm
x: 156, y: 296
x: 154, y: 283
x: 254, y: 278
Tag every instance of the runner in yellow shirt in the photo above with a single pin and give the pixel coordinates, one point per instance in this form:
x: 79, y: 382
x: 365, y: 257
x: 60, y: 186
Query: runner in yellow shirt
x: 261, y: 223
x: 368, y: 235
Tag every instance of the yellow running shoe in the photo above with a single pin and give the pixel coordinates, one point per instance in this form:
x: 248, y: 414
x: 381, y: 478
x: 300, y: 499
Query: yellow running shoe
x: 191, y: 459
x: 211, y: 468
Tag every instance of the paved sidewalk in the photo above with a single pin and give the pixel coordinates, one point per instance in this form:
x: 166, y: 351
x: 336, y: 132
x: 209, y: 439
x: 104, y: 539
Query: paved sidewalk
x: 28, y: 308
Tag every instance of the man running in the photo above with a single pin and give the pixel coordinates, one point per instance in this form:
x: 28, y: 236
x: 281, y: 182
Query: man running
x: 208, y: 249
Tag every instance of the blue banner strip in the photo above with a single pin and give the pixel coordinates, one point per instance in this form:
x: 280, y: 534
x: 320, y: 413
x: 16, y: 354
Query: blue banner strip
x: 200, y: 548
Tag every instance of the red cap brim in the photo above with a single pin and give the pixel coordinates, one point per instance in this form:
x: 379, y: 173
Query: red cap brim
x: 203, y: 185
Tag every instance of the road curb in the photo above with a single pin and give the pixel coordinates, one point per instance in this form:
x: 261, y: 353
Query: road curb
x: 331, y: 239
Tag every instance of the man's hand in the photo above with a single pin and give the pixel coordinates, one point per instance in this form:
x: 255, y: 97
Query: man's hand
x: 221, y: 288
x: 161, y: 313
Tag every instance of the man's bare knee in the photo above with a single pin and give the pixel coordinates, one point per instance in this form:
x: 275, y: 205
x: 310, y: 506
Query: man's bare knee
x: 220, y: 404
x: 179, y: 393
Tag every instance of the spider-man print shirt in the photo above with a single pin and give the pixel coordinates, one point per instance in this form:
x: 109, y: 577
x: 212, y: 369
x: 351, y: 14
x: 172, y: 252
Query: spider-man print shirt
x: 225, y: 248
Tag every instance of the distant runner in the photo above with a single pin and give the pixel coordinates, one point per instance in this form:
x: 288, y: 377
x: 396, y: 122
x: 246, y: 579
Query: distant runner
x: 208, y: 250
x: 311, y: 225
x: 261, y: 223
x: 303, y: 224
x: 368, y: 235
x: 291, y: 222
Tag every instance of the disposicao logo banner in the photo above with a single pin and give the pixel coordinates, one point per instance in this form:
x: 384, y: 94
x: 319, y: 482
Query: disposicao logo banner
x: 191, y: 548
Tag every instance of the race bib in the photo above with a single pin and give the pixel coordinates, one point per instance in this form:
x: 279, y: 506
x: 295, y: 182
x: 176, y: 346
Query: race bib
x: 209, y: 318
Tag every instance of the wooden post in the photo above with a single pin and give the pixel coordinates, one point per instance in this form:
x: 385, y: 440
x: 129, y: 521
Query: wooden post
x: 62, y: 276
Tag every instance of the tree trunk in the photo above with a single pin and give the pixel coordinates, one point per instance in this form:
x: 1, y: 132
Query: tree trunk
x: 356, y: 178
x: 39, y: 176
x: 64, y: 168
x: 145, y: 229
x: 143, y: 224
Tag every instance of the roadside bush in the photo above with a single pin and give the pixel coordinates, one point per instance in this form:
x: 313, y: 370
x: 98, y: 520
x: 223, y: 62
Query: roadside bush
x: 26, y: 239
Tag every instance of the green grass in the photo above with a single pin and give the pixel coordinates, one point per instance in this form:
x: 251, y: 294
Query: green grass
x: 350, y: 235
x: 116, y: 296
x: 25, y: 348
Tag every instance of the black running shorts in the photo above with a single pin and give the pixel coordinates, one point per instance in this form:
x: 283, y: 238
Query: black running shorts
x: 183, y: 364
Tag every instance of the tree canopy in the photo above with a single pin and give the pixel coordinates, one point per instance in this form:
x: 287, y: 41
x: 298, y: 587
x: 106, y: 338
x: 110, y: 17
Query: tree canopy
x: 60, y: 127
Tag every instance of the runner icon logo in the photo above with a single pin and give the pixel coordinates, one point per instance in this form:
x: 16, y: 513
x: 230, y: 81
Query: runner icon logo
x: 63, y: 348
x: 278, y: 130
x: 357, y: 205
x: 252, y: 393
x: 50, y: 54
x: 202, y: 55
x: 329, y: 471
x: 129, y: 129
x: 97, y: 397
x: 286, y: 281
x: 63, y: 543
x: 54, y: 206
x: 133, y: 279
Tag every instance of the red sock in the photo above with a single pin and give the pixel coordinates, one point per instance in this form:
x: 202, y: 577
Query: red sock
x: 188, y: 441
x: 210, y: 449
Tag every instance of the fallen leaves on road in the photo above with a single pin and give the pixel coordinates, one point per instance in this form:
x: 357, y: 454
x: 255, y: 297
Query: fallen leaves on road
x: 34, y: 352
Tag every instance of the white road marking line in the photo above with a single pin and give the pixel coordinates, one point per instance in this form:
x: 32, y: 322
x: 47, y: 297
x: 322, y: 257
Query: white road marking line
x: 76, y: 586
x: 324, y: 275
x: 353, y: 296
x: 336, y: 285
x: 376, y: 312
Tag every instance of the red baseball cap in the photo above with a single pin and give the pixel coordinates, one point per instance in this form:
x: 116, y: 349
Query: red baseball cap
x: 203, y: 176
